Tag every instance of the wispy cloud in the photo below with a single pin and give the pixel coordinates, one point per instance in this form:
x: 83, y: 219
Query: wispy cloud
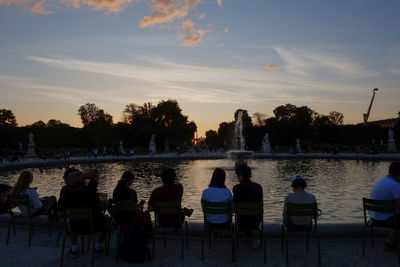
x: 272, y: 66
x: 109, y: 6
x: 226, y: 30
x: 308, y: 62
x: 35, y: 6
x: 219, y: 3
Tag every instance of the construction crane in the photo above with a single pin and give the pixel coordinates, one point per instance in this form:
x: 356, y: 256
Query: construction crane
x: 366, y: 115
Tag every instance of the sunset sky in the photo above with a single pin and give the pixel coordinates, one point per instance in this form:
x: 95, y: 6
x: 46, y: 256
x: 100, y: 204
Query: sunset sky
x: 213, y: 56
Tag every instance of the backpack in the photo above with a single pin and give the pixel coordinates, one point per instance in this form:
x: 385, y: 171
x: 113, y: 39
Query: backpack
x: 134, y: 244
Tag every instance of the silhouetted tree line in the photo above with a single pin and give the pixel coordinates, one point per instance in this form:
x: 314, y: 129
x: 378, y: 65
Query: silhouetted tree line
x: 290, y: 122
x: 165, y: 120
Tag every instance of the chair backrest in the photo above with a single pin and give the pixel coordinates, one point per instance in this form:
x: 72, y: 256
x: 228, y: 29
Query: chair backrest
x: 19, y: 200
x: 125, y: 205
x: 249, y: 208
x: 383, y: 206
x: 81, y: 215
x: 217, y: 207
x: 302, y: 210
x: 162, y: 207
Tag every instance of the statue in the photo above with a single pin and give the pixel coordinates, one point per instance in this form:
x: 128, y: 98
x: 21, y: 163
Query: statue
x: 31, y: 146
x: 121, y: 148
x: 266, y: 145
x: 391, y: 141
x: 152, y: 144
x: 298, y: 146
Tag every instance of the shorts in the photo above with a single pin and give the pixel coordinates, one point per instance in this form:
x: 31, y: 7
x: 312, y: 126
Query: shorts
x: 83, y: 227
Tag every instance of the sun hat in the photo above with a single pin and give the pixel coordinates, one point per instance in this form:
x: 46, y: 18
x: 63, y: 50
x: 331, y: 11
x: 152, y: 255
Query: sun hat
x: 297, y: 176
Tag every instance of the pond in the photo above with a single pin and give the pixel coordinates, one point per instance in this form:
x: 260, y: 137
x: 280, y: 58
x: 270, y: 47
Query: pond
x: 338, y: 185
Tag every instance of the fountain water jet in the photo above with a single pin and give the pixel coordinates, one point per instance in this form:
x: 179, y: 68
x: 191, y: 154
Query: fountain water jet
x: 239, y: 142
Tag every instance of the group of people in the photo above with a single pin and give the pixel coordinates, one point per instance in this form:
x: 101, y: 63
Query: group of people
x: 80, y: 190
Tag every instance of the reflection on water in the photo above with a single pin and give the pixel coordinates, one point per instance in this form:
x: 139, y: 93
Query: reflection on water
x: 338, y: 185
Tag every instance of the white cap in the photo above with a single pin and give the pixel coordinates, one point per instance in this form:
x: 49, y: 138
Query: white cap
x: 297, y: 176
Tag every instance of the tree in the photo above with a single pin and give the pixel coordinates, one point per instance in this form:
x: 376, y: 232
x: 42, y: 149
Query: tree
x: 7, y: 118
x: 212, y: 138
x: 285, y: 112
x: 259, y: 118
x: 56, y: 123
x: 38, y: 124
x: 90, y: 114
x: 336, y: 117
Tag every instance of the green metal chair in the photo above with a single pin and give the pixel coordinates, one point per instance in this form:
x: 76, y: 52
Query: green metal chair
x: 122, y: 210
x: 301, y: 210
x: 217, y: 208
x: 251, y: 209
x: 384, y: 206
x: 85, y: 216
x: 170, y: 208
x: 21, y: 200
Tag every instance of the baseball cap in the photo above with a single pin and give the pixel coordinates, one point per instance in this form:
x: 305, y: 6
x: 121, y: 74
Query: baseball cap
x: 297, y: 176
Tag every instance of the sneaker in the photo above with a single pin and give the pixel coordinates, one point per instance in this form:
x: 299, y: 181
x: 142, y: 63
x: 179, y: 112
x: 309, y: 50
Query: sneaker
x: 74, y: 254
x: 98, y: 252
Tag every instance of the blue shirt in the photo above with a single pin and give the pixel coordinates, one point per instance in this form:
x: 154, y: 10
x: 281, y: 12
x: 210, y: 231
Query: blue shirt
x: 386, y: 188
x: 217, y: 195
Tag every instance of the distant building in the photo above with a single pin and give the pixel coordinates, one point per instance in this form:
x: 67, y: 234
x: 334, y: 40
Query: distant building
x: 388, y: 123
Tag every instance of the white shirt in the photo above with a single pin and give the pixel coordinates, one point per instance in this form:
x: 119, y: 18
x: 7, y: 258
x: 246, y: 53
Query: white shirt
x: 35, y: 203
x: 301, y: 197
x: 386, y: 188
x: 217, y: 195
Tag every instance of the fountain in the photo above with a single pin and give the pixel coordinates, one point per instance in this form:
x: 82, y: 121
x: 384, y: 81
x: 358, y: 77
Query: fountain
x: 391, y: 142
x: 121, y: 148
x: 298, y: 146
x: 266, y: 145
x: 152, y: 144
x: 31, y: 146
x: 239, y: 142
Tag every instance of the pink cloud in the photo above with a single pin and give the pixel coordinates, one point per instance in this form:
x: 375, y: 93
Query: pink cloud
x: 272, y: 67
x: 167, y: 11
x: 190, y: 35
x: 202, y: 16
x: 219, y: 3
x: 36, y: 6
x: 110, y: 6
x: 226, y: 30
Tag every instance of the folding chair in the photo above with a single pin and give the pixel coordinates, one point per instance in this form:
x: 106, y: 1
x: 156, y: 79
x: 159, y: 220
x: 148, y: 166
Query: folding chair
x: 301, y: 210
x: 384, y: 206
x: 22, y: 200
x: 217, y: 208
x: 251, y: 209
x: 82, y: 216
x: 170, y: 208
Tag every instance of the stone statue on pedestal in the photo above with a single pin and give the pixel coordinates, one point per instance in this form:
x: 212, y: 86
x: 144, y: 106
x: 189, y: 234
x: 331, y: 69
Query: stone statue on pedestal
x: 298, y: 146
x: 31, y: 146
x: 266, y: 145
x: 391, y: 142
x: 152, y: 144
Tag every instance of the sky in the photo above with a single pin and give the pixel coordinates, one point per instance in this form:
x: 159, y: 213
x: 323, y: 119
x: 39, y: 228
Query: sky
x: 213, y: 56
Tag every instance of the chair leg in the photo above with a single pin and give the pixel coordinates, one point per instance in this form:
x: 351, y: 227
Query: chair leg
x: 264, y: 243
x: 93, y: 239
x: 282, y: 240
x: 63, y: 248
x: 30, y: 233
x: 83, y: 246
x: 183, y: 243
x: 372, y: 236
x: 187, y: 234
x: 287, y: 249
x: 363, y: 240
x: 202, y: 246
x: 154, y: 246
x: 233, y: 243
x: 8, y: 234
x: 88, y: 244
x: 164, y: 238
x: 209, y: 239
x: 307, y: 247
x: 319, y: 250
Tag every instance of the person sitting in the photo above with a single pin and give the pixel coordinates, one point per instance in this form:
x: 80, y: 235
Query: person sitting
x: 388, y: 188
x: 4, y: 200
x: 170, y: 191
x: 78, y: 194
x: 247, y: 191
x: 217, y: 193
x: 37, y: 206
x: 123, y: 192
x: 299, y: 196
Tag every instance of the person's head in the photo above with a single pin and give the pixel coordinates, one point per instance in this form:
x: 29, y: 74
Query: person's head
x: 394, y: 170
x: 126, y: 179
x: 218, y: 178
x: 4, y: 190
x: 70, y: 174
x: 298, y: 182
x: 23, y: 182
x: 243, y: 171
x: 168, y: 176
